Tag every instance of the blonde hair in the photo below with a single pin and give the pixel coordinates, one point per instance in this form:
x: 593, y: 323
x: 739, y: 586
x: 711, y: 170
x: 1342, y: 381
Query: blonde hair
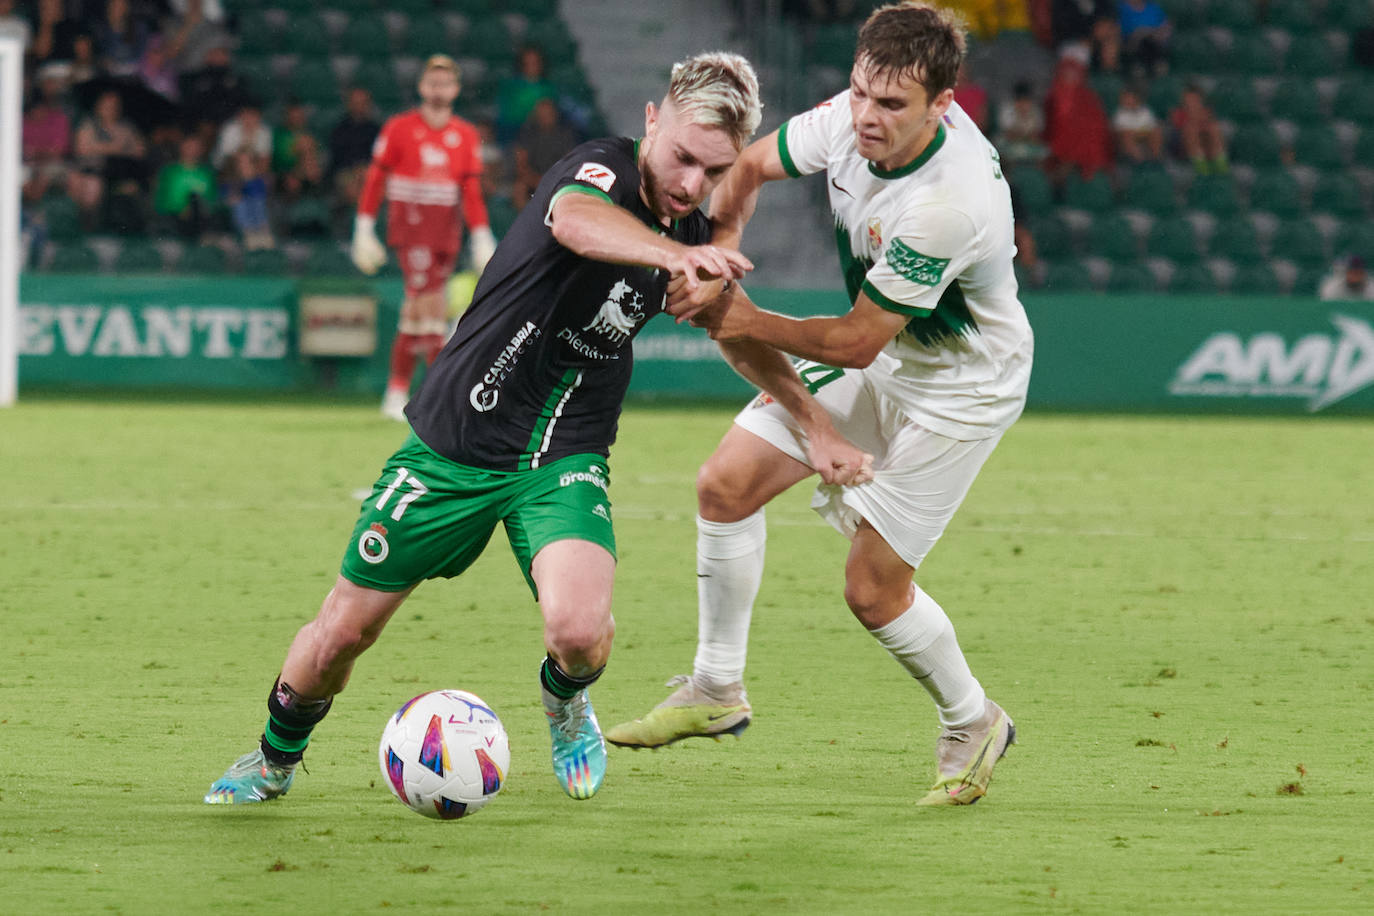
x: 718, y: 89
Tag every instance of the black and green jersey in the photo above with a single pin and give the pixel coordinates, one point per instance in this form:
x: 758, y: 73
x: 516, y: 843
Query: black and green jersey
x: 540, y: 362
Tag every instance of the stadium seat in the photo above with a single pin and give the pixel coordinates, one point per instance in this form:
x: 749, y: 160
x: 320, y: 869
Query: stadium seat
x: 1094, y: 194
x: 1236, y: 240
x: 1194, y: 52
x: 378, y: 78
x: 554, y: 39
x: 1354, y: 238
x: 501, y: 212
x: 1186, y: 14
x: 329, y: 259
x: 1256, y: 278
x: 366, y: 36
x: 1234, y: 99
x: 1319, y: 146
x: 1257, y: 145
x: 1152, y: 190
x: 1240, y: 16
x: 308, y: 218
x: 74, y: 258
x: 259, y: 35
x: 1254, y: 54
x: 832, y: 45
x: 1295, y: 100
x: 1214, y: 194
x: 1176, y: 239
x: 1276, y: 191
x: 1068, y: 277
x: 1293, y: 16
x: 138, y: 257
x: 1299, y: 241
x: 489, y: 39
x: 308, y: 36
x: 1339, y: 194
x: 202, y: 259
x: 314, y: 82
x: 1053, y: 240
x: 1311, y: 56
x: 1108, y: 88
x: 1350, y: 15
x: 1034, y: 195
x: 426, y: 35
x: 1130, y: 277
x: 62, y: 217
x: 1113, y: 237
x: 1354, y: 99
x: 534, y: 10
x: 1194, y: 278
x: 1164, y: 93
x: 268, y: 262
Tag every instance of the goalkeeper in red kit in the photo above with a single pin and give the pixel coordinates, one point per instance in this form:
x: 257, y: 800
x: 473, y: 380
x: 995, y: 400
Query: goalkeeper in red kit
x: 427, y: 162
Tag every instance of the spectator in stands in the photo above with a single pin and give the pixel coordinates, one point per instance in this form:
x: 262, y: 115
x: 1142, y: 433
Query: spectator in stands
x: 53, y: 33
x: 186, y: 191
x: 972, y: 97
x: 192, y: 33
x: 1348, y: 279
x: 244, y: 190
x: 47, y: 133
x: 1021, y: 128
x: 542, y: 141
x: 296, y: 161
x: 120, y: 37
x: 989, y: 18
x: 109, y: 153
x: 156, y: 70
x: 1145, y: 34
x: 85, y: 66
x: 497, y: 181
x: 350, y: 146
x: 1090, y: 28
x: 1197, y: 134
x: 1139, y: 135
x: 518, y: 94
x: 1076, y: 128
x: 245, y: 132
x: 214, y: 92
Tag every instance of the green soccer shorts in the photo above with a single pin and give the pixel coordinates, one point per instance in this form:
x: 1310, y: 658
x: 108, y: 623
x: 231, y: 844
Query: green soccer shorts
x: 428, y: 517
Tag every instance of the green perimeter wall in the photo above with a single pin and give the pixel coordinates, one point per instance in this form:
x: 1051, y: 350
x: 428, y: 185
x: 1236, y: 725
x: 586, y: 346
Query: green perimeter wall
x: 1093, y: 352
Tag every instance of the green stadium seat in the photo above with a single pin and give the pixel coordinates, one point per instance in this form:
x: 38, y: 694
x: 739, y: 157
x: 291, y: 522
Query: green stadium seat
x: 259, y: 35
x: 551, y: 35
x: 489, y: 39
x: 1094, y: 194
x: 1256, y: 279
x: 378, y: 78
x: 1299, y: 241
x: 1339, y: 194
x: 1240, y: 16
x: 1194, y: 52
x: 1257, y: 145
x: 366, y: 36
x: 1068, y: 277
x: 1295, y: 99
x: 533, y: 10
x: 1053, y: 240
x: 1214, y: 194
x: 1034, y: 195
x: 1186, y: 14
x: 308, y: 36
x: 501, y: 212
x: 1293, y: 16
x: 329, y: 260
x: 1308, y: 281
x: 1364, y: 146
x: 1253, y: 53
x: 1176, y: 239
x: 1311, y: 56
x: 74, y: 258
x: 1194, y: 278
x: 202, y: 259
x: 1354, y: 238
x: 1113, y: 236
x: 832, y: 45
x: 62, y: 217
x: 1131, y: 277
x: 138, y: 257
x: 1278, y: 192
x: 1152, y: 190
x: 314, y: 82
x: 1164, y: 93
x: 308, y: 218
x: 268, y: 262
x: 1234, y: 98
x: 1319, y: 146
x: 428, y: 34
x: 1236, y: 240
x: 1108, y: 88
x: 1350, y: 15
x: 1354, y: 100
x: 469, y: 8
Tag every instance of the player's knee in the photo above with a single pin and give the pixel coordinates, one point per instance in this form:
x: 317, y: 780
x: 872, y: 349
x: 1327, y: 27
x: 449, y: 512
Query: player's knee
x: 721, y: 495
x: 874, y: 603
x: 581, y: 640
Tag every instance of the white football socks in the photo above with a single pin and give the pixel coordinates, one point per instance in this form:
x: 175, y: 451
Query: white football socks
x: 729, y: 570
x: 923, y: 642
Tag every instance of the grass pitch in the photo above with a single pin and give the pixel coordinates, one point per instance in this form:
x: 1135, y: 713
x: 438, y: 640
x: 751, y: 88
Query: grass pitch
x: 1177, y: 613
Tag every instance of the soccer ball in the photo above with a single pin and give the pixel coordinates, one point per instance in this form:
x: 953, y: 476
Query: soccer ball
x: 445, y: 754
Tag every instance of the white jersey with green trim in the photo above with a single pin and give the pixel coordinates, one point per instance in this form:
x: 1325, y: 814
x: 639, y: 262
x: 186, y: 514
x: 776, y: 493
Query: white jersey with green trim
x: 933, y: 241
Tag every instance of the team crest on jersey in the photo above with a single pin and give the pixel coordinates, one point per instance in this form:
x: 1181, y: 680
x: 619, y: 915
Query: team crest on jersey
x: 875, y: 235
x: 452, y: 139
x: 619, y: 314
x: 593, y: 173
x: 914, y: 266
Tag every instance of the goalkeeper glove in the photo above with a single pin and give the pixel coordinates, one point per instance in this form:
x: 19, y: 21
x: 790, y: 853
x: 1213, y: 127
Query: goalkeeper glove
x: 367, y: 253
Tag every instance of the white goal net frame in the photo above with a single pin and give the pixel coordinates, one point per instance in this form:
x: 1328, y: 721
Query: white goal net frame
x: 11, y: 121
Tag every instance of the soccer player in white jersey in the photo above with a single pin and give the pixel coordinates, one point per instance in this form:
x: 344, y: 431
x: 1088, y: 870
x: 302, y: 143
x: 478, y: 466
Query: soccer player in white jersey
x: 915, y: 385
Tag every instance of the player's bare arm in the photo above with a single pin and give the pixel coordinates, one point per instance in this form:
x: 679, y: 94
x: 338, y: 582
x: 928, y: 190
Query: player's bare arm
x: 598, y: 229
x: 850, y: 341
x: 835, y: 458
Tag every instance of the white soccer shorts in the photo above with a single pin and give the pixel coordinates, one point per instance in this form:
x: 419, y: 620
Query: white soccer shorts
x: 920, y: 477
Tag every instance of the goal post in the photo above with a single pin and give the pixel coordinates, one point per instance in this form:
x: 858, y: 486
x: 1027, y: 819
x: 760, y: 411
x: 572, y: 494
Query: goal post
x: 11, y: 119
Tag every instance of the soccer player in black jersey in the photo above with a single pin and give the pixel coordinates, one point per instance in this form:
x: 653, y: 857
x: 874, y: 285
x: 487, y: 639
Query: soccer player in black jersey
x: 515, y: 419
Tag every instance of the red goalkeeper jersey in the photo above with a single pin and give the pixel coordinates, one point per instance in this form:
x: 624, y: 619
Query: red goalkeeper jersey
x: 428, y: 176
